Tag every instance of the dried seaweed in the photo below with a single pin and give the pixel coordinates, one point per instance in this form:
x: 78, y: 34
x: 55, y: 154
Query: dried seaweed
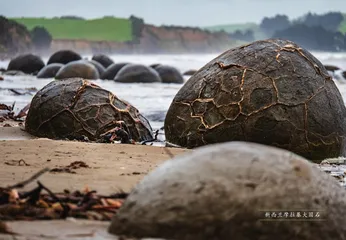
x: 41, y: 203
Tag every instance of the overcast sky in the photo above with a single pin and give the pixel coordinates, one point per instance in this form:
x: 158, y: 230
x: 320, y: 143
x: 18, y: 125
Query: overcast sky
x: 171, y: 12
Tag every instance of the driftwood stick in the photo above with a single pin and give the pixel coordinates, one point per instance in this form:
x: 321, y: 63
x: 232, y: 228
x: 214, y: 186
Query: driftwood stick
x: 31, y: 179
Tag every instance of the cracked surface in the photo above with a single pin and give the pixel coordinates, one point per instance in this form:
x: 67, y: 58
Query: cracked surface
x: 76, y: 107
x: 271, y: 92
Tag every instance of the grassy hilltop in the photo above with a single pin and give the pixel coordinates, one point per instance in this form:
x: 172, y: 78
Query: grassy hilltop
x: 103, y: 29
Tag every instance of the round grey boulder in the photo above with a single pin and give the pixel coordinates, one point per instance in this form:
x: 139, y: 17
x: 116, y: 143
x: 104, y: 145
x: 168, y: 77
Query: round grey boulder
x: 100, y: 68
x: 232, y: 191
x: 137, y: 73
x: 64, y: 57
x: 78, y: 69
x: 104, y: 60
x: 112, y: 70
x: 50, y: 70
x: 27, y: 63
x: 169, y: 74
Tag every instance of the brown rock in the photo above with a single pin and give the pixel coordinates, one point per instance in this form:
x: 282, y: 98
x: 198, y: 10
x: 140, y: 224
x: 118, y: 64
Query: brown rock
x: 112, y: 70
x: 271, y: 92
x: 50, y: 70
x: 331, y: 68
x: 225, y: 191
x: 64, y: 57
x: 27, y: 63
x: 78, y: 69
x: 169, y: 74
x: 1, y: 78
x: 104, y: 60
x: 137, y: 73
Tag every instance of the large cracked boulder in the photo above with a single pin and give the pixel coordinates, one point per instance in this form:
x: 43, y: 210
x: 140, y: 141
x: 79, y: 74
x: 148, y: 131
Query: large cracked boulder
x: 271, y: 92
x: 76, y: 108
x: 232, y: 191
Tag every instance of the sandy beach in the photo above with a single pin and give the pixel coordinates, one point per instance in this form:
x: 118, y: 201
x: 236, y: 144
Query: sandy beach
x: 111, y: 168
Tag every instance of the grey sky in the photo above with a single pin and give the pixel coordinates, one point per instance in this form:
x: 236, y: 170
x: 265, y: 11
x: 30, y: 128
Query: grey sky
x: 171, y: 12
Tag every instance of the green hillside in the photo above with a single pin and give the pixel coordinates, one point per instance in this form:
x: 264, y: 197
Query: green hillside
x: 103, y: 29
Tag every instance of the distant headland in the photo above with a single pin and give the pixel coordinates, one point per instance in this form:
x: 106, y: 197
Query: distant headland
x: 324, y: 32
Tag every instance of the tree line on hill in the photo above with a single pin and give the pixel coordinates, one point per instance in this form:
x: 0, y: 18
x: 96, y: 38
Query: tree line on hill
x: 312, y: 31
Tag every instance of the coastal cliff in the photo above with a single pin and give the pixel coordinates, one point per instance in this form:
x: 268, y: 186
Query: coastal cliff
x: 154, y: 40
x: 14, y: 38
x: 124, y: 36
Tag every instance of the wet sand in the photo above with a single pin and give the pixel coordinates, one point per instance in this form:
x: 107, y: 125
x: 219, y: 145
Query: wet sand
x: 113, y: 168
x: 61, y: 230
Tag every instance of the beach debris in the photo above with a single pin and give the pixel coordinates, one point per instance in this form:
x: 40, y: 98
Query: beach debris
x: 7, y: 113
x: 119, y: 133
x: 20, y: 162
x: 41, y: 203
x: 155, y: 139
x: 335, y: 167
x: 70, y: 168
x: 21, y: 91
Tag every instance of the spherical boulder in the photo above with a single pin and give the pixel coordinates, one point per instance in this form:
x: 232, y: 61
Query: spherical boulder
x: 137, y: 73
x: 236, y: 190
x: 50, y: 70
x: 189, y: 72
x: 331, y: 68
x: 27, y: 63
x: 112, y: 70
x: 169, y: 74
x: 78, y: 69
x: 271, y: 92
x: 64, y: 57
x: 73, y: 108
x: 100, y: 68
x: 103, y: 59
